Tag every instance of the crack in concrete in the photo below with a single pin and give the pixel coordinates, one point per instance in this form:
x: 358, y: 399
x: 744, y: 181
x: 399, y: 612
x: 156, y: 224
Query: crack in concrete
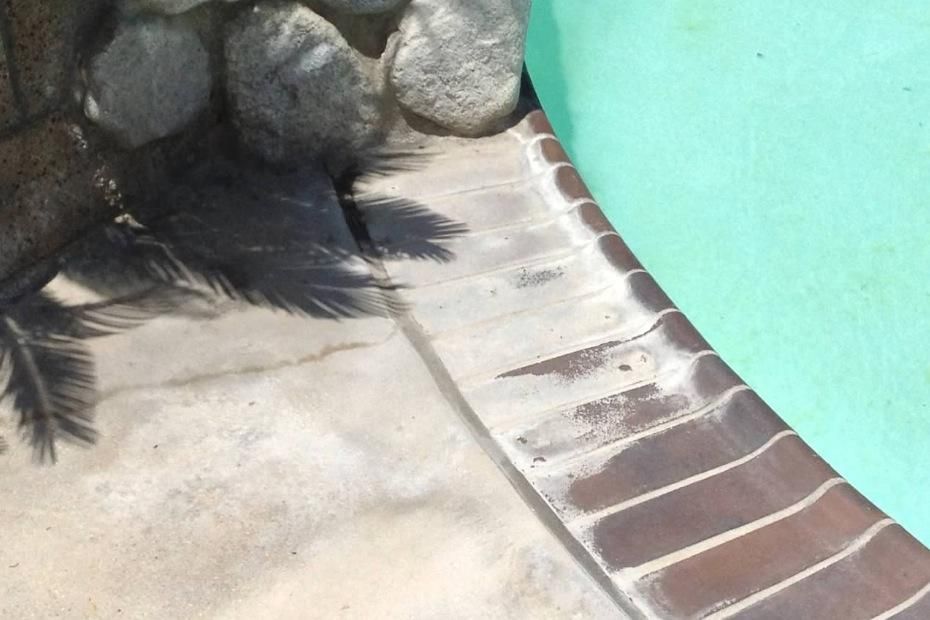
x: 445, y: 383
x: 312, y: 358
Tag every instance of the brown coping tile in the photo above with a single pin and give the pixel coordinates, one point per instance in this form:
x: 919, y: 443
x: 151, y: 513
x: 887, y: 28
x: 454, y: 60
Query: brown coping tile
x: 639, y: 408
x: 643, y: 407
x: 649, y: 294
x: 539, y: 123
x: 522, y: 289
x: 571, y: 185
x: 585, y: 361
x: 495, y: 251
x: 592, y: 217
x: 572, y: 365
x: 630, y: 411
x: 918, y: 610
x: 481, y: 210
x: 888, y: 570
x: 713, y: 376
x: 552, y: 151
x: 619, y: 255
x: 741, y: 426
x: 761, y: 559
x: 645, y: 356
x: 782, y: 475
x: 677, y: 327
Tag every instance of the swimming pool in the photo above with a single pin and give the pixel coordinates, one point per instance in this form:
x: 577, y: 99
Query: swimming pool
x: 770, y: 164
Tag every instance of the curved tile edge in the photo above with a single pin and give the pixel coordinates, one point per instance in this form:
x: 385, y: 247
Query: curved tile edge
x: 857, y: 561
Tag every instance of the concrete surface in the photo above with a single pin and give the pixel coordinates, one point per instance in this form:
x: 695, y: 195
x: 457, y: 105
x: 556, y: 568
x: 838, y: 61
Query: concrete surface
x: 254, y: 464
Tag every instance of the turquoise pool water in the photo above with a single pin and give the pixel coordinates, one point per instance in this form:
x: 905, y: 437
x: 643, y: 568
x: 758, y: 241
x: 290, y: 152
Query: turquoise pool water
x: 769, y: 162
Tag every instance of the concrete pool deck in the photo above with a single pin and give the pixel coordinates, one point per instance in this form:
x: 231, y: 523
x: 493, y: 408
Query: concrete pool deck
x: 257, y: 464
x: 535, y: 420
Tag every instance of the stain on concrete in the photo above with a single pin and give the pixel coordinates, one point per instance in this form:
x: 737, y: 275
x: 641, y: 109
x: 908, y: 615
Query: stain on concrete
x: 528, y: 278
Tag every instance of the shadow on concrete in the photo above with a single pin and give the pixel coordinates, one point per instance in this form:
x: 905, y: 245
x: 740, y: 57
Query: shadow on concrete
x: 50, y: 370
x: 221, y: 232
x: 422, y: 231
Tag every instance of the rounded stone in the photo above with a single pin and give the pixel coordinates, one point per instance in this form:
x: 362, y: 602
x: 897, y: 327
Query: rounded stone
x: 167, y: 7
x: 297, y: 89
x: 460, y: 62
x: 364, y: 7
x: 151, y: 81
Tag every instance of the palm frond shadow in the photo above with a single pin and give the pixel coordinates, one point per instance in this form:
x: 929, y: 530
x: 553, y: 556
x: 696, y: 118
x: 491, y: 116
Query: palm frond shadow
x: 48, y: 368
x: 384, y: 162
x: 253, y: 237
x: 403, y: 228
x: 273, y: 242
x: 400, y: 227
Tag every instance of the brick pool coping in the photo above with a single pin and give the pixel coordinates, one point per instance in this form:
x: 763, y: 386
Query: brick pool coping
x: 673, y: 483
x: 835, y: 517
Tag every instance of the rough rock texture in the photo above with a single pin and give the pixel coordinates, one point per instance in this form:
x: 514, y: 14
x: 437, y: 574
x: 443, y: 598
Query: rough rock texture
x: 44, y: 37
x: 168, y: 7
x: 364, y: 7
x: 52, y: 187
x: 459, y: 62
x: 9, y: 114
x: 297, y: 88
x: 151, y: 81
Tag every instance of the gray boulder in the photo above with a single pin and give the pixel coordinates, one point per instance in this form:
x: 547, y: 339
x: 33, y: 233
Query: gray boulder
x: 168, y: 7
x: 363, y: 7
x: 297, y: 88
x: 150, y: 82
x: 459, y: 62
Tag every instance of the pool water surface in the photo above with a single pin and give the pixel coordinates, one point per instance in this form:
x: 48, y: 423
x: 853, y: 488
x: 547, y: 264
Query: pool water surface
x: 769, y: 163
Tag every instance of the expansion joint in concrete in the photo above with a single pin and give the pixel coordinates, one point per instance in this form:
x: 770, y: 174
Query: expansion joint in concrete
x: 418, y: 339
